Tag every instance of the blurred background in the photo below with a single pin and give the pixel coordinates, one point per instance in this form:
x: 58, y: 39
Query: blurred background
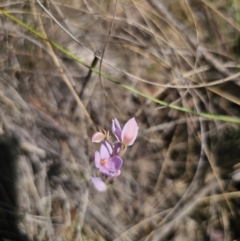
x: 181, y: 178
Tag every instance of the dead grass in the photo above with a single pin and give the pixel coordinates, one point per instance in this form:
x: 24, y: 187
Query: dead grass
x: 180, y: 179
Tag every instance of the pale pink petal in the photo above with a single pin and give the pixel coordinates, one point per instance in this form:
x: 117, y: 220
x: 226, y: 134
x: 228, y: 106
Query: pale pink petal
x: 114, y: 163
x: 99, y: 184
x: 105, y: 150
x: 117, y: 173
x: 111, y: 166
x: 106, y: 171
x: 129, y: 132
x: 98, y: 137
x: 115, y: 124
x: 116, y: 129
x: 97, y: 159
x: 117, y: 148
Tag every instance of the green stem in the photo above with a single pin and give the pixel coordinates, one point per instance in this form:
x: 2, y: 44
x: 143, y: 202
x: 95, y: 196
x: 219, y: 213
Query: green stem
x: 163, y: 103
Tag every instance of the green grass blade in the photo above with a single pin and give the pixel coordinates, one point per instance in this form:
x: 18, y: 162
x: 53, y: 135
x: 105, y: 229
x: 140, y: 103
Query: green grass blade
x: 133, y: 90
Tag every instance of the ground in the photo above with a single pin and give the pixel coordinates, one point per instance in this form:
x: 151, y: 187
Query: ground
x: 68, y: 67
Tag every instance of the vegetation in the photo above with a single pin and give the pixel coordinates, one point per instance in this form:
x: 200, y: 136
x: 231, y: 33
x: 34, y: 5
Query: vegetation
x: 68, y: 67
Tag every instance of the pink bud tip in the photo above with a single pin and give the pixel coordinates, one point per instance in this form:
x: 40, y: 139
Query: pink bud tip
x: 98, y: 137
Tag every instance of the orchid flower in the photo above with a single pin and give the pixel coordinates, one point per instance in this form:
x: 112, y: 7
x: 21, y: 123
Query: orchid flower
x: 99, y: 184
x: 108, y: 160
x: 128, y: 134
x: 106, y: 163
